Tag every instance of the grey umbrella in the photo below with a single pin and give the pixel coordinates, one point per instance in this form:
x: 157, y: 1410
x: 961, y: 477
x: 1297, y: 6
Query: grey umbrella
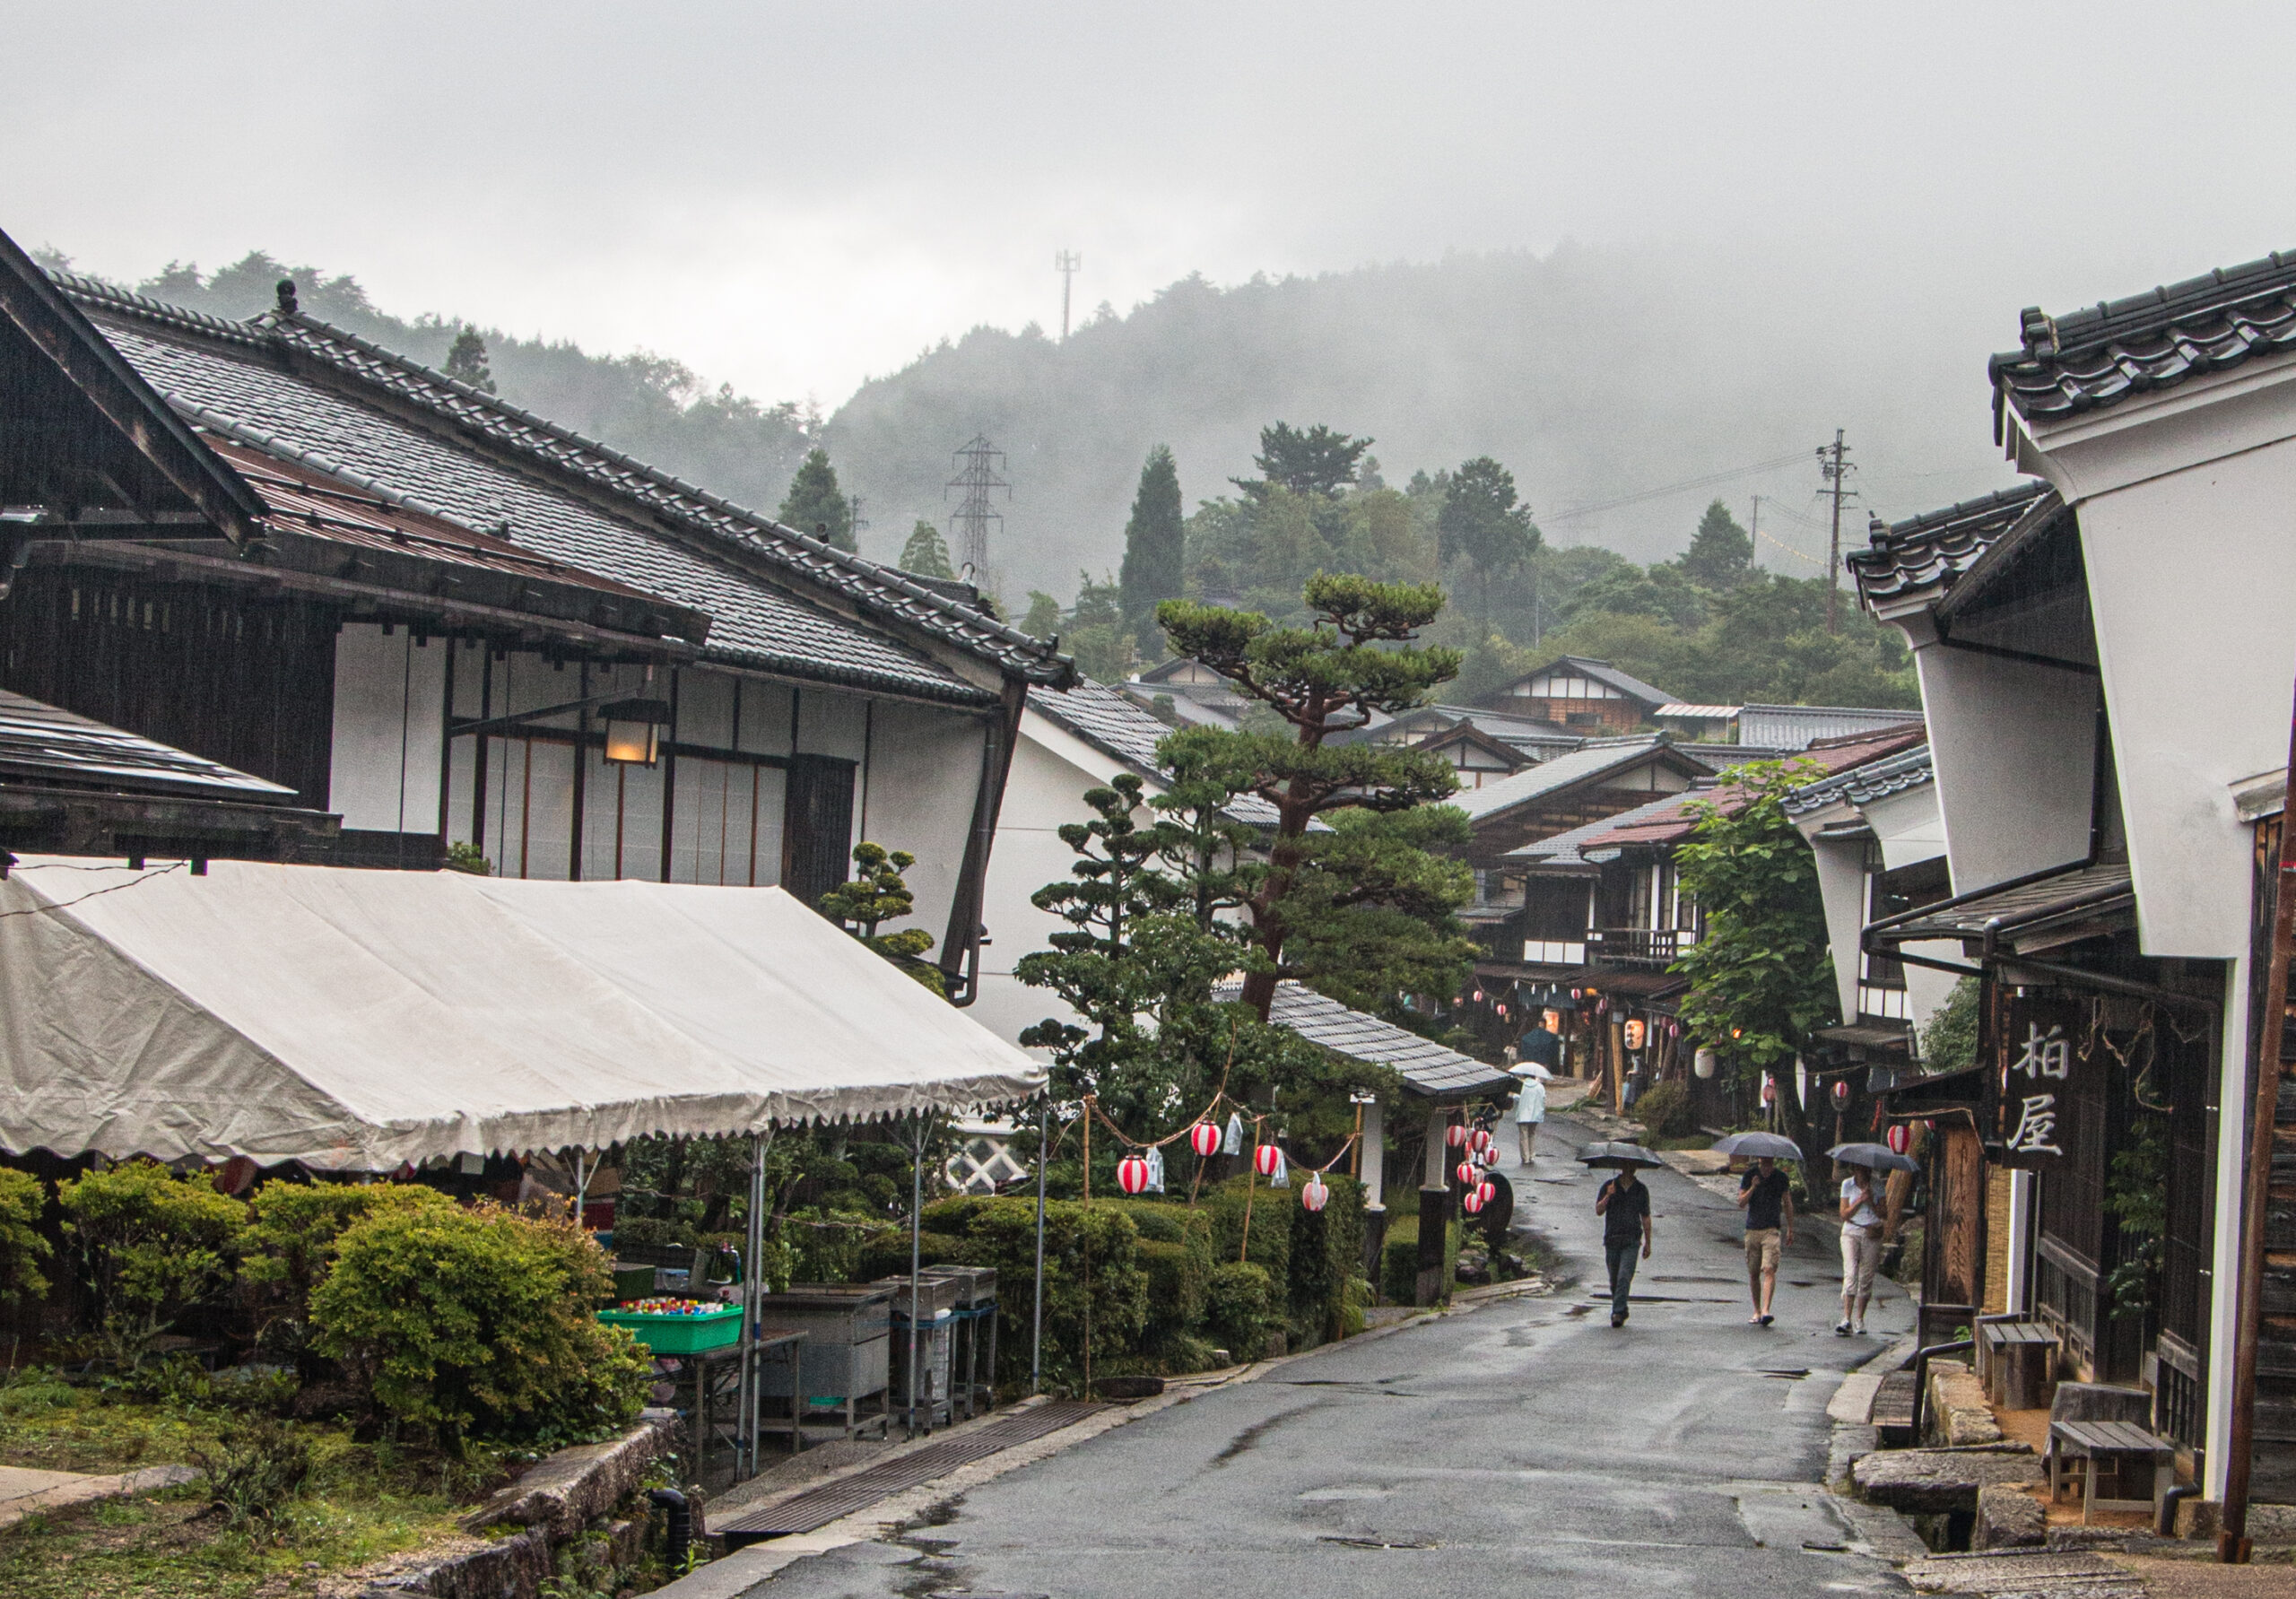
x: 1750, y: 1146
x: 1617, y: 1156
x: 1876, y: 1157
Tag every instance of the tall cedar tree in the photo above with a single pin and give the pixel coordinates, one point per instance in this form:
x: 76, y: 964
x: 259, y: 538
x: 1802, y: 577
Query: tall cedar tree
x: 816, y: 505
x: 1483, y: 523
x: 878, y: 894
x: 466, y: 362
x: 1365, y: 899
x: 1154, y: 541
x: 925, y: 555
x: 1721, y: 553
x: 1317, y: 461
x: 1761, y: 973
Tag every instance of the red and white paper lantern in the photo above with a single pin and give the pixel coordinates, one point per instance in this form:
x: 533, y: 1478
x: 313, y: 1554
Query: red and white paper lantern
x: 1482, y: 1139
x: 1456, y: 1136
x: 1132, y: 1174
x: 1204, y: 1138
x: 1768, y: 1090
x: 1486, y: 1191
x: 1314, y: 1190
x: 1900, y: 1137
x: 1472, y: 1201
x: 1266, y: 1157
x: 1468, y: 1173
x: 1841, y: 1090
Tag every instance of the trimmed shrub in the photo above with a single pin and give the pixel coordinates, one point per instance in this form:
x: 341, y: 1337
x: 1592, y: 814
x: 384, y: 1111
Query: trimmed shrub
x: 151, y: 1246
x: 1665, y: 1110
x: 1271, y: 1216
x: 1091, y: 1274
x: 1325, y: 1253
x: 1176, y: 1252
x: 1400, y: 1260
x: 1238, y: 1308
x: 478, y: 1323
x: 21, y: 1246
x: 290, y: 1245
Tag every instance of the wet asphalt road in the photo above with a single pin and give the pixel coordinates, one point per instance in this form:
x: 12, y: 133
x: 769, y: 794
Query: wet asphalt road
x: 1525, y: 1447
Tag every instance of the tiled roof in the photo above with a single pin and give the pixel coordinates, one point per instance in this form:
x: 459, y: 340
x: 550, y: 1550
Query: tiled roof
x: 1603, y: 671
x: 1568, y: 849
x: 1919, y: 557
x: 256, y: 376
x: 1117, y: 727
x: 1698, y: 713
x: 1862, y: 784
x: 1426, y: 1067
x: 2080, y: 895
x: 2101, y: 354
x: 49, y: 745
x: 1595, y: 759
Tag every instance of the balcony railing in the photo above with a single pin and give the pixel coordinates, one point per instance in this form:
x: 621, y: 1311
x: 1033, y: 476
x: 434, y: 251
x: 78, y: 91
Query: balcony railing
x: 1656, y: 947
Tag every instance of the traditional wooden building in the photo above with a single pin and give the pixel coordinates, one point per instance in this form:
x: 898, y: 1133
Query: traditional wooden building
x: 1578, y: 692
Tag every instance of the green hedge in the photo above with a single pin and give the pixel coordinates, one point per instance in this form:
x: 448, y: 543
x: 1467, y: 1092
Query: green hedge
x: 1240, y: 1313
x: 1400, y: 1260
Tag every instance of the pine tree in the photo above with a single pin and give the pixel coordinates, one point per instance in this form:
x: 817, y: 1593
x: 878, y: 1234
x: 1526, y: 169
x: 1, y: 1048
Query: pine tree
x: 466, y: 362
x: 1154, y: 543
x: 878, y: 894
x: 1721, y: 553
x: 924, y: 555
x: 816, y: 505
x: 1481, y: 523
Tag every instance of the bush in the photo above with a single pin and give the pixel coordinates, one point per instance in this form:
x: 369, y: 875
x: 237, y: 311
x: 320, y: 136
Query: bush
x: 1091, y: 1256
x: 1325, y: 1255
x: 1664, y: 1109
x: 1236, y: 1307
x: 152, y: 1245
x: 478, y: 1323
x: 1176, y: 1251
x: 1271, y: 1223
x: 255, y: 1468
x: 290, y: 1245
x: 1400, y: 1260
x: 21, y: 1246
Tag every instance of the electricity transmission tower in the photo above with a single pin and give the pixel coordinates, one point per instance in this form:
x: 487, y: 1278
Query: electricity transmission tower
x: 976, y: 475
x: 1066, y: 264
x: 1834, y: 467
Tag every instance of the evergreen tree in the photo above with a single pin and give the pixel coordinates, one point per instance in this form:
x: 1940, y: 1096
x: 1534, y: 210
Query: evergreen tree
x: 466, y: 362
x: 878, y: 894
x: 1317, y: 461
x: 1153, y: 545
x: 1368, y: 903
x: 1721, y: 553
x: 1043, y: 618
x: 816, y: 505
x: 1482, y: 524
x: 925, y: 555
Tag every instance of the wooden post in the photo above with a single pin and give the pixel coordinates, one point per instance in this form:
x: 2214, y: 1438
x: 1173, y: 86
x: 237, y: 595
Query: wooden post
x: 1434, y: 1212
x: 1373, y: 1152
x: 2233, y: 1545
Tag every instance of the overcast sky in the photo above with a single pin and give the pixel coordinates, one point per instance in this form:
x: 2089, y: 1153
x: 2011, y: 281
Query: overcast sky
x: 792, y: 198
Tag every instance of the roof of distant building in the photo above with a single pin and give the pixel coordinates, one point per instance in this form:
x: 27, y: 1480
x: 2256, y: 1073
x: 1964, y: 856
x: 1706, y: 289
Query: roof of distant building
x: 1595, y: 758
x: 1919, y: 557
x: 1118, y: 728
x: 1602, y: 671
x: 291, y: 386
x: 1427, y: 1068
x: 2101, y: 354
x: 1568, y: 850
x: 1862, y: 784
x: 1696, y: 713
x: 42, y: 742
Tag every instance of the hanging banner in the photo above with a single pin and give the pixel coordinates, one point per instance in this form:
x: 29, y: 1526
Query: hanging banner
x: 2041, y: 1057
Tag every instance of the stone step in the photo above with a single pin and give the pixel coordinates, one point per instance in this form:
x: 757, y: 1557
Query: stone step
x: 2036, y: 1572
x: 1931, y: 1481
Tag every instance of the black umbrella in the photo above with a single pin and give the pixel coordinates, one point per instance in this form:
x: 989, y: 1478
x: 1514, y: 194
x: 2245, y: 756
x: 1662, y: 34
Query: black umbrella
x: 1751, y: 1146
x: 1875, y: 1157
x: 1618, y: 1157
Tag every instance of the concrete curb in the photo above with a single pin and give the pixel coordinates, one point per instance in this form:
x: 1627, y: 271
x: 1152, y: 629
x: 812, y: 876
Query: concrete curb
x: 87, y: 1490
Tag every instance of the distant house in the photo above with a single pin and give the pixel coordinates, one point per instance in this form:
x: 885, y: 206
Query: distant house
x: 1600, y: 779
x: 1189, y: 691
x: 1578, y: 691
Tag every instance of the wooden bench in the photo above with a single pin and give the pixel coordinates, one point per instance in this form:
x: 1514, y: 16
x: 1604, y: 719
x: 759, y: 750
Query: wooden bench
x: 2020, y: 1359
x: 2094, y: 1427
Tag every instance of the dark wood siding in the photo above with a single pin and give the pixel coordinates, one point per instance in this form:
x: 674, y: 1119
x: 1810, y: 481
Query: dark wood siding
x: 247, y: 682
x: 817, y: 826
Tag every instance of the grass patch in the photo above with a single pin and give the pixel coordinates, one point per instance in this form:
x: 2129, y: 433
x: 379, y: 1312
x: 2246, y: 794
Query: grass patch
x: 364, y: 1501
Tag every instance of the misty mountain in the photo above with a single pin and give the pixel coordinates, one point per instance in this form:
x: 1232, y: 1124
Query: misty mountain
x: 1593, y: 374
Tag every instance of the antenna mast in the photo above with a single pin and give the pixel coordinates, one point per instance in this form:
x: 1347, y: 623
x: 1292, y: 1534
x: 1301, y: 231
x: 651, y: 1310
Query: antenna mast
x: 978, y: 465
x: 1066, y: 264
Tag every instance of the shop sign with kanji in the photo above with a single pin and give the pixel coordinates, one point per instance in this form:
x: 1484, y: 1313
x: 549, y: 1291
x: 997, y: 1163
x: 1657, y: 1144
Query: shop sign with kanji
x: 2042, y: 1045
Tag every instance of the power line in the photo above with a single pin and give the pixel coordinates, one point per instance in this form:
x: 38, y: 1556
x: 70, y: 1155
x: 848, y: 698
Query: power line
x: 1711, y: 478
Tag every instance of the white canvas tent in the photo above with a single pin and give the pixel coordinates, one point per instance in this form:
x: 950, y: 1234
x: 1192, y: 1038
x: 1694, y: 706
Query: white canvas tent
x: 355, y: 1020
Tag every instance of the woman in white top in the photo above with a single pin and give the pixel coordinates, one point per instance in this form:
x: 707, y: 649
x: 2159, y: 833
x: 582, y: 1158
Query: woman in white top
x: 1530, y: 1109
x: 1861, y: 1248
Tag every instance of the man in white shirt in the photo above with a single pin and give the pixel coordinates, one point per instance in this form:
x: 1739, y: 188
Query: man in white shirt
x: 1530, y: 1109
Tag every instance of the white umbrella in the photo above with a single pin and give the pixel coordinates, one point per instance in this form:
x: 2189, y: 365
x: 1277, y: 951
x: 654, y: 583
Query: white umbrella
x: 1533, y: 1070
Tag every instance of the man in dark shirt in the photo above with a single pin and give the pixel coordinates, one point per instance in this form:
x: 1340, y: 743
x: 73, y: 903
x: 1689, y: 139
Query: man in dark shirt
x: 1624, y: 1205
x: 1542, y: 1046
x: 1767, y: 1197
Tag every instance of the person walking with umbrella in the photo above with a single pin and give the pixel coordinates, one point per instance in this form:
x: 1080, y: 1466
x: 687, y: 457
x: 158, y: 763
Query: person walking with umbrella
x: 1530, y: 1107
x: 1624, y: 1205
x: 1861, y: 1232
x: 1767, y: 1196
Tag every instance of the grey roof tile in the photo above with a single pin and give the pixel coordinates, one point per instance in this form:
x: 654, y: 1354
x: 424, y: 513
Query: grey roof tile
x: 1920, y: 557
x: 1117, y: 727
x: 1594, y: 759
x: 2101, y: 354
x: 1426, y: 1067
x: 40, y: 741
x: 253, y: 375
x: 1864, y: 783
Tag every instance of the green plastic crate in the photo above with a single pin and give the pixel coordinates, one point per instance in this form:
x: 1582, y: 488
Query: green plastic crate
x: 680, y: 1334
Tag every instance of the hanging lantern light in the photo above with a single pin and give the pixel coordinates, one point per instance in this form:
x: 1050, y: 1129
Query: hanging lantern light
x: 634, y: 730
x: 1841, y: 1090
x: 1466, y: 1171
x: 1635, y: 1031
x: 1472, y: 1201
x: 1487, y: 1157
x: 1486, y: 1191
x: 1703, y: 1063
x: 1900, y: 1137
x: 1132, y: 1174
x: 1204, y: 1138
x: 1482, y: 1139
x: 1456, y: 1136
x: 1769, y: 1088
x: 1315, y: 1191
x: 1267, y: 1158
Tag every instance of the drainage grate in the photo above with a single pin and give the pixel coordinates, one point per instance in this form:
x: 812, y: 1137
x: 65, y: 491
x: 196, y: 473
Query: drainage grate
x: 818, y: 1506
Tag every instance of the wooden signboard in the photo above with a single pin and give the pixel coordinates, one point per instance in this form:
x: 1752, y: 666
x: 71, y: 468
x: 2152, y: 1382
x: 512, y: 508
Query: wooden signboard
x: 2043, y: 1063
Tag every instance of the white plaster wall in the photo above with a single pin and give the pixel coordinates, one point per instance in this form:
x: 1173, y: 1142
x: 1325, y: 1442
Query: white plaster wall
x: 1051, y: 770
x: 2191, y: 576
x: 2014, y: 745
x: 389, y: 710
x: 1841, y: 886
x: 915, y: 792
x: 1910, y: 830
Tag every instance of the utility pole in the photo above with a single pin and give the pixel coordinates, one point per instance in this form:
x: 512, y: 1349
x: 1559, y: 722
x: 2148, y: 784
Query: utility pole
x: 977, y: 475
x: 1754, y: 533
x: 1834, y: 465
x: 1065, y: 263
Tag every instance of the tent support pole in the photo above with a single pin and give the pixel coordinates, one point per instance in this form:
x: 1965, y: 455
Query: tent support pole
x: 916, y: 1251
x: 752, y: 1291
x: 1044, y: 1154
